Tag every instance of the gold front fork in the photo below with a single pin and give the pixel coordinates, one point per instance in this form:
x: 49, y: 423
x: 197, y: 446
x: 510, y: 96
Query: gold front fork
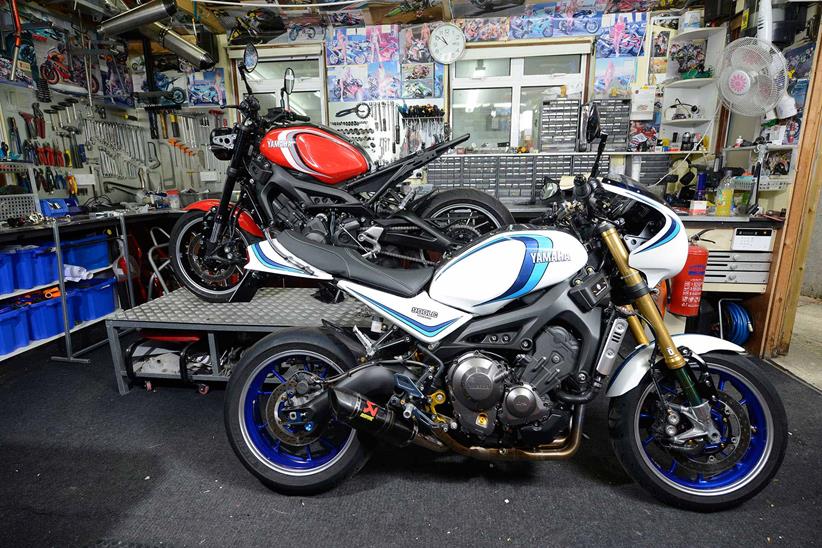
x: 648, y: 309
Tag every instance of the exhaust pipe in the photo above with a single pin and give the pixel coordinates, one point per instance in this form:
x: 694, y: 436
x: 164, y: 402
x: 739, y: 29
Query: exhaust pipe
x: 142, y: 15
x: 366, y: 416
x: 198, y: 57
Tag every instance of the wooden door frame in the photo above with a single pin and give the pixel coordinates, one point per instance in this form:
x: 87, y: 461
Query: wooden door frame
x: 796, y: 234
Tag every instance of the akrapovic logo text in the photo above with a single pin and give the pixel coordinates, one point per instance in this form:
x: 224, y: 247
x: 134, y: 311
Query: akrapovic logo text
x: 424, y: 313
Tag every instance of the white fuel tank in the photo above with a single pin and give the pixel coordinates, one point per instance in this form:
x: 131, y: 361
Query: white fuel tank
x: 505, y: 266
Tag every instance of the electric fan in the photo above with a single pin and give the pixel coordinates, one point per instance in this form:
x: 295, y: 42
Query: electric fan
x: 753, y: 75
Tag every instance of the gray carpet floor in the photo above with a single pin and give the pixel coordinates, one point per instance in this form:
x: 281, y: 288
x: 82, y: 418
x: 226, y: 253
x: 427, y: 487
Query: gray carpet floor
x: 81, y: 465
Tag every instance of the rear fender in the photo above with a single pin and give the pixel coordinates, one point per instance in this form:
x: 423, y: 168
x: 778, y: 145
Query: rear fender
x: 630, y: 373
x: 245, y: 220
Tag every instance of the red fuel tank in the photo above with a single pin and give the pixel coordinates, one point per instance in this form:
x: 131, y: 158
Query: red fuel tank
x: 314, y: 151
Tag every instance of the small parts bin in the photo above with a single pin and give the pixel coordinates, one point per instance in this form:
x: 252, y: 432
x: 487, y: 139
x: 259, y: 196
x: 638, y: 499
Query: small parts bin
x: 14, y: 331
x: 6, y: 271
x: 34, y: 266
x: 96, y: 298
x: 91, y: 252
x: 45, y: 318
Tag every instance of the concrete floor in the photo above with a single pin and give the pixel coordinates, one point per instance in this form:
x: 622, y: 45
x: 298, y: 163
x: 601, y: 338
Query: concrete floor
x: 804, y: 359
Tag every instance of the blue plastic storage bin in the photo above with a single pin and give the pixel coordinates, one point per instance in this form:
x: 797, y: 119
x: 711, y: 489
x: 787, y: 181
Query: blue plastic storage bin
x: 54, y: 207
x: 35, y: 266
x: 90, y: 252
x: 45, y: 318
x: 6, y: 271
x: 14, y: 331
x: 97, y: 298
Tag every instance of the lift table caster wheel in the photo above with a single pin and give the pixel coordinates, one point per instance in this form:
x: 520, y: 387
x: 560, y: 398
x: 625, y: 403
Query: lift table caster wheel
x: 203, y: 389
x: 149, y: 387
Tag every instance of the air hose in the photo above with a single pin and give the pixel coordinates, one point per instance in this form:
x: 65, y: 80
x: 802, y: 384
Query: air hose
x: 739, y: 324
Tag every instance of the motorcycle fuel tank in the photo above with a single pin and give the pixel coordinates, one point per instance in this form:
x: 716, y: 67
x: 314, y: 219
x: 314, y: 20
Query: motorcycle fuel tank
x: 505, y: 266
x: 319, y: 153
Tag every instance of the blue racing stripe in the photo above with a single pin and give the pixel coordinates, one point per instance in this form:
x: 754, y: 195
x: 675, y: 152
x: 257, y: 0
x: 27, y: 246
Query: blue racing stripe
x: 269, y: 263
x: 427, y: 330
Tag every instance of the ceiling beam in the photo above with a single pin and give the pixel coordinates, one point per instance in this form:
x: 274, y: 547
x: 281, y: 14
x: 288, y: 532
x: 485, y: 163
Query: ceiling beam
x: 204, y: 15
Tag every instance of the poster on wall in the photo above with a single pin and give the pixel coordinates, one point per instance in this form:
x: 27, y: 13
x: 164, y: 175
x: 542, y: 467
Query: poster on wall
x: 347, y: 83
x: 414, y: 44
x: 576, y: 18
x: 613, y: 77
x: 536, y: 21
x: 115, y: 78
x: 488, y: 29
x: 207, y: 88
x: 622, y: 35
x: 364, y: 63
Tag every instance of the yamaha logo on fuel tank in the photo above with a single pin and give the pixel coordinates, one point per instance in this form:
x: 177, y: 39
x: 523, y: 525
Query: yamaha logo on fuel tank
x: 550, y: 256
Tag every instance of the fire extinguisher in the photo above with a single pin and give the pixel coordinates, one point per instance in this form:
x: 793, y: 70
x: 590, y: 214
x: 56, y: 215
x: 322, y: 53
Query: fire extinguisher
x: 686, y: 287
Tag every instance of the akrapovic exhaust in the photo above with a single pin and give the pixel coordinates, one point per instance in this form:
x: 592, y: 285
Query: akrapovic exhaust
x: 175, y: 43
x: 142, y: 15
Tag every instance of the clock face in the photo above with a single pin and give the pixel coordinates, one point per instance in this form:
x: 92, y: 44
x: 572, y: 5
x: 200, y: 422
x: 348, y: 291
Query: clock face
x: 446, y: 43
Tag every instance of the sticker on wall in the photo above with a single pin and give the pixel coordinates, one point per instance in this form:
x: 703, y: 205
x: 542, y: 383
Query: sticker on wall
x: 613, y: 77
x: 207, y: 88
x: 622, y: 35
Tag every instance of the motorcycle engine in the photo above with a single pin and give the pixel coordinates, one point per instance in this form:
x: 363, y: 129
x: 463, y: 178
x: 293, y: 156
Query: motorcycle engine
x: 484, y: 391
x: 487, y: 394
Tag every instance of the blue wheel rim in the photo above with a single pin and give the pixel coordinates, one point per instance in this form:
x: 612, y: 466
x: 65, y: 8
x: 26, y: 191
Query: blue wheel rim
x: 272, y: 451
x: 741, y: 389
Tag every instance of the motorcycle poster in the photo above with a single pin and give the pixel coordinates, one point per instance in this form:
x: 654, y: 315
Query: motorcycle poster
x: 536, y: 21
x: 622, y: 35
x: 383, y: 81
x: 490, y: 29
x: 115, y: 78
x: 207, y: 88
x: 347, y: 83
x: 384, y: 41
x: 614, y: 76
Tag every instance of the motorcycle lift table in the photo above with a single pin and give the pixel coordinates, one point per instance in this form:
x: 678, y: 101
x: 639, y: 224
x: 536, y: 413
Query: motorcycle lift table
x: 181, y: 311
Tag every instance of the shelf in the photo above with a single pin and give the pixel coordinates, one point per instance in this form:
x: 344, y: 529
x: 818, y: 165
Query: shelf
x: 697, y: 34
x: 753, y: 148
x: 17, y: 292
x: 34, y: 344
x: 717, y: 287
x: 687, y: 122
x: 689, y: 83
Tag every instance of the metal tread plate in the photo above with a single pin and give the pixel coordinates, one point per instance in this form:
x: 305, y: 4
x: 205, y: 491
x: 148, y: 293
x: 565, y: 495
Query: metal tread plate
x: 271, y: 307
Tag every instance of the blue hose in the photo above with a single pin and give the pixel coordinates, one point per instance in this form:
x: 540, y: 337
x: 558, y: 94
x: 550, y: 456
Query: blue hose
x: 739, y: 324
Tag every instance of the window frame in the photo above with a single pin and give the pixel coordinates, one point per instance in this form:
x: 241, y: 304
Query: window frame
x: 517, y: 78
x: 312, y: 84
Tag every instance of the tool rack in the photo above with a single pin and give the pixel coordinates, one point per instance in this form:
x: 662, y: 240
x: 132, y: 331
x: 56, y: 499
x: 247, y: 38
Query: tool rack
x: 270, y: 310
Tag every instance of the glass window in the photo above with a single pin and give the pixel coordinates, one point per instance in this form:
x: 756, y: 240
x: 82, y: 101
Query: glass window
x: 275, y: 70
x: 485, y: 114
x: 483, y: 68
x: 307, y: 103
x: 552, y: 64
x: 530, y: 104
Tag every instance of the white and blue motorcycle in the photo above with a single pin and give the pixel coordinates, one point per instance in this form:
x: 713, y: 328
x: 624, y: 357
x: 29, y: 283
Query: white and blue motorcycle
x: 496, y: 353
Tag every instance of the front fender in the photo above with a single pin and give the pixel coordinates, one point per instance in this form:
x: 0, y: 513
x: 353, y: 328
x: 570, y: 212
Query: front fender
x: 630, y: 372
x: 245, y: 220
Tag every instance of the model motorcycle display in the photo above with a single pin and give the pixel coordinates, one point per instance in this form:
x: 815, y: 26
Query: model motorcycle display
x: 496, y: 353
x: 295, y: 175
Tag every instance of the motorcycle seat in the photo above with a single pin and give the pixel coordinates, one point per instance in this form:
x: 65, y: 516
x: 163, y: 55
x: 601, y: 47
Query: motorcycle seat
x: 346, y: 263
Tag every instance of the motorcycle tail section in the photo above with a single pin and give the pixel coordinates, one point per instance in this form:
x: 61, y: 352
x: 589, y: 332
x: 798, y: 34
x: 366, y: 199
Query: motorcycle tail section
x: 271, y: 257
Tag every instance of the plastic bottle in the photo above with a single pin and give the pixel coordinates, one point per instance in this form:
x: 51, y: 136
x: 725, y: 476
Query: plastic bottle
x: 725, y: 195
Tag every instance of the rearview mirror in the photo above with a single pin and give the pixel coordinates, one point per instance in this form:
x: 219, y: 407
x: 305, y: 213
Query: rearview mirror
x: 288, y: 81
x: 592, y: 127
x: 250, y: 58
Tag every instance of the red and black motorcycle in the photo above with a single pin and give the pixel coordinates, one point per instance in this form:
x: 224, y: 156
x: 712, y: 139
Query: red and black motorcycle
x: 299, y: 176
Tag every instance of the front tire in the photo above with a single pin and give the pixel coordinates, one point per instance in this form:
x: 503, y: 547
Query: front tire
x: 286, y: 459
x: 213, y: 285
x: 721, y: 475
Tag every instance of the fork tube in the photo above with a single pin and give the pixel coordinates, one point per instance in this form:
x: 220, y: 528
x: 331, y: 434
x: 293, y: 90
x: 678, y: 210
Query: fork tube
x: 647, y: 307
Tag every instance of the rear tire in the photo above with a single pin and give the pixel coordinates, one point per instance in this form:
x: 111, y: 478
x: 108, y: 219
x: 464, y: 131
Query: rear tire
x: 467, y: 200
x: 671, y: 481
x: 274, y: 462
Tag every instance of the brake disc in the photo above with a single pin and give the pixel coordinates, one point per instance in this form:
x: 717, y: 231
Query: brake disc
x: 277, y: 427
x: 736, y: 427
